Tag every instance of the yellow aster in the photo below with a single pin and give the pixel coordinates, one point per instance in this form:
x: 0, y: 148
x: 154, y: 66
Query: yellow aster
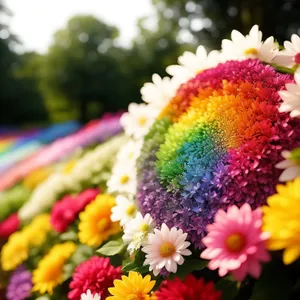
x: 95, y: 224
x: 36, y: 232
x: 49, y: 272
x: 132, y: 287
x: 282, y: 220
x: 14, y: 252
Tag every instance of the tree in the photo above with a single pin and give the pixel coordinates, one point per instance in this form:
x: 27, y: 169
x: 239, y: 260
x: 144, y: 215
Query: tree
x: 20, y: 101
x: 84, y: 67
x: 210, y: 21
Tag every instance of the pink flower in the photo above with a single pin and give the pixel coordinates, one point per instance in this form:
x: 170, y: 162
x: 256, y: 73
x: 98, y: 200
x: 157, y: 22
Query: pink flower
x: 235, y: 242
x: 9, y: 225
x: 67, y: 209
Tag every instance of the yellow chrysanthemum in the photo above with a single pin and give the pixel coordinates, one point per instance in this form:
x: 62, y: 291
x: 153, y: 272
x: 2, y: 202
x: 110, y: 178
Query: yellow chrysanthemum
x: 36, y: 177
x: 132, y: 287
x: 282, y: 220
x: 95, y: 224
x: 49, y: 272
x: 36, y: 232
x: 15, y: 251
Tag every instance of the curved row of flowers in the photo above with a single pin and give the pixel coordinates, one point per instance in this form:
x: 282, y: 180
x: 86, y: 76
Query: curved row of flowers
x: 195, y: 187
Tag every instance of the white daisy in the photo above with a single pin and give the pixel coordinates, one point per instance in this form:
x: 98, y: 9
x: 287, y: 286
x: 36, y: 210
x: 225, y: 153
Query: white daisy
x: 290, y: 56
x: 249, y: 46
x: 291, y: 97
x: 191, y: 64
x: 89, y: 296
x: 124, y: 210
x: 291, y: 165
x: 136, y: 231
x: 122, y: 180
x: 130, y: 152
x: 159, y: 92
x: 165, y: 248
x: 139, y: 118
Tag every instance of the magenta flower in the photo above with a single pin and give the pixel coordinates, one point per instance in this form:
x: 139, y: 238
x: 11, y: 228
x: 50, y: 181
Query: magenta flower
x: 235, y: 242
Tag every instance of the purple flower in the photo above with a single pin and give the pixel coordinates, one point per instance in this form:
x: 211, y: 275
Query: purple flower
x: 20, y: 284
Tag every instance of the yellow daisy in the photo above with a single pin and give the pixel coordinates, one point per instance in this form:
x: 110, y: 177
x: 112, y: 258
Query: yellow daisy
x: 132, y: 287
x: 282, y: 220
x: 49, y: 272
x: 14, y: 252
x: 95, y: 225
x: 36, y: 232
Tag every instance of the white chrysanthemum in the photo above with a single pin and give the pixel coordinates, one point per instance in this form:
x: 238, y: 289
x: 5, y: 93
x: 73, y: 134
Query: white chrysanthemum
x: 130, y: 152
x: 291, y: 165
x: 249, y: 46
x: 291, y: 97
x: 122, y: 180
x: 124, y: 211
x: 159, y: 92
x: 191, y: 63
x: 136, y: 231
x: 44, y: 196
x: 165, y: 249
x: 89, y: 296
x: 290, y: 56
x: 139, y: 118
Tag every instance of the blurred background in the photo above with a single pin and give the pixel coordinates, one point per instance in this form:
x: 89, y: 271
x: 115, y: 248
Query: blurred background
x: 66, y: 60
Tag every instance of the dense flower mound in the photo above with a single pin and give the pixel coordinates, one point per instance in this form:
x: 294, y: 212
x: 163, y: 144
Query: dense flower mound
x: 96, y: 275
x: 214, y: 145
x: 191, y: 288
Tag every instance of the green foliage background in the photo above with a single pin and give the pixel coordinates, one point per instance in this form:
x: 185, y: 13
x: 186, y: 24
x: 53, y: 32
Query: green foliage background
x: 86, y: 73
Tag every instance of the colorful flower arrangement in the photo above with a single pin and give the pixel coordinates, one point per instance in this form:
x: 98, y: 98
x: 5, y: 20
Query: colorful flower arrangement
x: 202, y: 200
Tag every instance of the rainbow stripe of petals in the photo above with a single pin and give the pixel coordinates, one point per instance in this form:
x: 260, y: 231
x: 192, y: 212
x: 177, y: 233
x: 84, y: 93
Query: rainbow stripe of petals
x: 216, y: 144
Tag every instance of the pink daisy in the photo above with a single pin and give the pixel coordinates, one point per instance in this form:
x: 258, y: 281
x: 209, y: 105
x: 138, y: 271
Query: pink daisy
x: 235, y: 242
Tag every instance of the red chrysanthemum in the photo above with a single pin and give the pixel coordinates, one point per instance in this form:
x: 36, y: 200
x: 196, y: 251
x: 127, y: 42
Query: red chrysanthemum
x: 9, y: 225
x: 67, y: 209
x: 189, y: 289
x: 96, y: 275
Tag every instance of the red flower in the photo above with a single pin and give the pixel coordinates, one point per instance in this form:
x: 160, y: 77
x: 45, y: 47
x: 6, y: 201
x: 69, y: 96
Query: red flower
x: 9, y: 225
x: 86, y: 197
x: 95, y: 274
x: 189, y: 289
x: 67, y: 209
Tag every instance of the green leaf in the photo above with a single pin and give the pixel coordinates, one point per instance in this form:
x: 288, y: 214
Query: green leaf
x: 137, y: 264
x: 132, y: 266
x: 228, y: 288
x: 276, y: 283
x: 112, y: 248
x: 189, y: 266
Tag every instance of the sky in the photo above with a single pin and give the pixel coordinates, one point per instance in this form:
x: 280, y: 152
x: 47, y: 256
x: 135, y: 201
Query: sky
x: 35, y: 21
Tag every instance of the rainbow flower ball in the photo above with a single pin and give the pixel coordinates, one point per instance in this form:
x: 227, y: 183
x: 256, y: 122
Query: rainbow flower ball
x: 216, y: 143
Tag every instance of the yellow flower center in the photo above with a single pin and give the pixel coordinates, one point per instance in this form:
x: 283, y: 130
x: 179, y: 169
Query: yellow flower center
x: 142, y: 121
x: 235, y: 242
x: 137, y: 296
x: 144, y: 227
x: 251, y: 51
x: 124, y: 179
x: 167, y: 249
x: 130, y: 210
x: 103, y: 224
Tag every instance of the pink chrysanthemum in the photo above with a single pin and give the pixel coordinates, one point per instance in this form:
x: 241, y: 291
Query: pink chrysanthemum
x: 96, y: 275
x: 235, y: 242
x: 66, y: 210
